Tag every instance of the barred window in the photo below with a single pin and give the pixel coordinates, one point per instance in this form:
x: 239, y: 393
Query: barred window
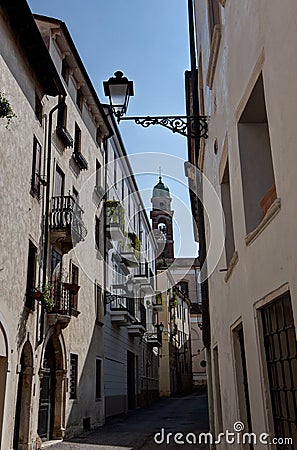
x: 73, y: 375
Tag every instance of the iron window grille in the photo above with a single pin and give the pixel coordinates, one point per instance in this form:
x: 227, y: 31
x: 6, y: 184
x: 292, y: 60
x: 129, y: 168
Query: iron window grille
x: 281, y: 358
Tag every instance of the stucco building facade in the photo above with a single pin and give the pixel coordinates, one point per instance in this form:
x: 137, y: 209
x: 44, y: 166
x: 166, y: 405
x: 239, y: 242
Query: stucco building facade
x: 245, y: 60
x: 130, y: 330
x: 51, y: 333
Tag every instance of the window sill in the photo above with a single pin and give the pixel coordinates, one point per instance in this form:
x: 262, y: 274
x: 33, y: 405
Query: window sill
x: 80, y: 161
x: 232, y: 264
x: 214, y: 52
x: 271, y: 213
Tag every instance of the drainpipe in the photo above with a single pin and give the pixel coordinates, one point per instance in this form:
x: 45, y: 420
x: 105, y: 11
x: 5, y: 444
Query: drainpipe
x: 47, y: 206
x: 200, y: 215
x: 105, y: 259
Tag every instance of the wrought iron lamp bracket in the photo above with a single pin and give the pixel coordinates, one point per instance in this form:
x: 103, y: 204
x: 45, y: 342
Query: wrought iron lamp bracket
x: 188, y: 126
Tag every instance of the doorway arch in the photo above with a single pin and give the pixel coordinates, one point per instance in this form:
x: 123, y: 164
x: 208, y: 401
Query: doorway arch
x: 51, y: 415
x: 3, y: 374
x: 21, y: 439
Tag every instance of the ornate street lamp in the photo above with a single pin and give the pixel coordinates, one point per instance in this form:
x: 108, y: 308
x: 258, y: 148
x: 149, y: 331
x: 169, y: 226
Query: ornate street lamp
x: 119, y: 89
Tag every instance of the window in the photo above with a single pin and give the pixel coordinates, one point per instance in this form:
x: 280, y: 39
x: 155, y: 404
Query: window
x: 281, y: 350
x: 123, y: 188
x: 31, y: 275
x: 114, y: 169
x: 98, y: 378
x: 73, y: 375
x: 214, y: 14
x: 74, y: 281
x: 61, y: 128
x: 79, y: 99
x: 218, y: 401
x: 62, y: 116
x: 59, y: 182
x: 98, y: 174
x: 65, y: 71
x: 99, y: 304
x: 226, y: 203
x: 242, y: 377
x: 56, y: 265
x: 255, y: 158
x: 78, y: 157
x: 38, y: 108
x: 97, y: 232
x: 201, y: 87
x: 35, y: 182
x: 77, y: 139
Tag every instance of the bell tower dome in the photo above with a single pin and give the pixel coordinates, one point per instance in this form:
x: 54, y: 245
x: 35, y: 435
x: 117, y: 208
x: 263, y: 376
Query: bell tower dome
x: 162, y: 217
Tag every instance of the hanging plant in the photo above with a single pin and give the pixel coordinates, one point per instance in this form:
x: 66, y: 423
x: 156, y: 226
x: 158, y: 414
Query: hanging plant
x: 6, y: 111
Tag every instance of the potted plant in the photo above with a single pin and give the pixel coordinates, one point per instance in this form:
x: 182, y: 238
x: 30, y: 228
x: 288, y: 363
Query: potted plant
x: 45, y: 297
x: 6, y: 111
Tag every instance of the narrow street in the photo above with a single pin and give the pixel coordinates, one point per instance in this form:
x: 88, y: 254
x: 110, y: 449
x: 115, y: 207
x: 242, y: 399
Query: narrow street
x: 136, y: 430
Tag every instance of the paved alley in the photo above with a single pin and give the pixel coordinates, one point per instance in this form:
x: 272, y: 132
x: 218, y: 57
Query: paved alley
x: 136, y: 430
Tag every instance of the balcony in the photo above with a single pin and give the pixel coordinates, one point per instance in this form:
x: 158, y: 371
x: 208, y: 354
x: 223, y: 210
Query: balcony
x: 115, y: 220
x: 154, y: 339
x: 122, y: 309
x: 158, y: 302
x: 130, y: 252
x: 66, y: 224
x: 145, y: 278
x: 63, y: 308
x: 138, y: 327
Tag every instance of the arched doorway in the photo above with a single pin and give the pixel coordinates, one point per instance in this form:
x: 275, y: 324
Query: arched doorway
x: 52, y: 392
x: 21, y: 438
x: 3, y: 375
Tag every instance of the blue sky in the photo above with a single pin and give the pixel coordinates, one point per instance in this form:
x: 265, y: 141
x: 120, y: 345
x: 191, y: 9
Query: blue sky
x: 148, y: 41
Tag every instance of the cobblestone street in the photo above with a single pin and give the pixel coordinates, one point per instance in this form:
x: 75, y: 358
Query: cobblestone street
x: 136, y: 429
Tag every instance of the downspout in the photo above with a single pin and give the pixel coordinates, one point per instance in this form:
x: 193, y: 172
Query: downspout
x: 47, y: 206
x: 200, y: 217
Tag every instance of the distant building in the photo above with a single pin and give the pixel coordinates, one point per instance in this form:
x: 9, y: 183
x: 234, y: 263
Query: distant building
x: 185, y: 272
x: 175, y: 369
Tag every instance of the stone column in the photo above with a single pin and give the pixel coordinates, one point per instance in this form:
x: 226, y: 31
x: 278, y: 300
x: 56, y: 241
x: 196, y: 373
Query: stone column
x: 59, y: 425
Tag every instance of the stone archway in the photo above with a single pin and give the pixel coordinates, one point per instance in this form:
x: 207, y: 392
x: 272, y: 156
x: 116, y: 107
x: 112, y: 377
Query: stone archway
x: 21, y: 439
x: 51, y: 418
x: 3, y: 375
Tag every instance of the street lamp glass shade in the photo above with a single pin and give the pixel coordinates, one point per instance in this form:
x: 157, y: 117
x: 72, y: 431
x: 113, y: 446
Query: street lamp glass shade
x: 119, y: 90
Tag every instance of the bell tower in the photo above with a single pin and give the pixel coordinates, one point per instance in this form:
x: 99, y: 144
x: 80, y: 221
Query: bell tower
x: 162, y: 217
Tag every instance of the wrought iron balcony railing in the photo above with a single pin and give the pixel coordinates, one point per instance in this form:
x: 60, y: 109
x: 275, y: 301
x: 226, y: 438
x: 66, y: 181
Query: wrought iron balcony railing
x: 66, y: 216
x: 62, y: 299
x: 120, y: 303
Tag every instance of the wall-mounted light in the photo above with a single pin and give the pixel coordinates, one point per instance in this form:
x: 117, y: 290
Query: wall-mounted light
x: 119, y: 90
